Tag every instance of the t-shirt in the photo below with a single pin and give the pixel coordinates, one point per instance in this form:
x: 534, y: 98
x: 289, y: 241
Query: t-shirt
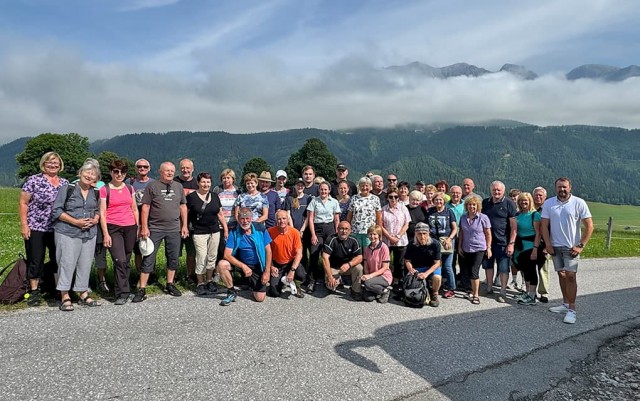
x: 334, y: 188
x: 565, y: 220
x: 499, y: 214
x: 417, y: 216
x: 298, y: 215
x: 440, y: 222
x: 312, y: 190
x: 526, y: 230
x: 228, y: 200
x: 119, y: 210
x: 363, y: 209
x: 374, y: 257
x: 423, y: 255
x: 138, y: 187
x: 284, y: 246
x: 246, y: 251
x: 473, y: 238
x: 274, y: 206
x: 164, y: 200
x: 341, y: 252
x: 282, y: 193
x: 458, y: 210
x: 187, y: 186
x: 256, y: 203
x: 203, y: 222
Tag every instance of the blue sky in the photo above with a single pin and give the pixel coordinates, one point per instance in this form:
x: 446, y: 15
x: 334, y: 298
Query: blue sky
x: 110, y: 67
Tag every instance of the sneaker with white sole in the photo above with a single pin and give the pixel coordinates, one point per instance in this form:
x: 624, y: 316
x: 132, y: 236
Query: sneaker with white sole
x: 231, y: 297
x: 570, y: 317
x: 559, y: 309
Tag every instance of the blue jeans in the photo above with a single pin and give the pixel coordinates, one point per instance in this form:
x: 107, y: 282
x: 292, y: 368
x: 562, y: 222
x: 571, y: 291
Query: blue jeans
x: 447, y: 270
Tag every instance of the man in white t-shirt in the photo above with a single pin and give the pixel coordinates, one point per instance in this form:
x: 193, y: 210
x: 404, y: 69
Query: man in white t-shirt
x: 562, y: 218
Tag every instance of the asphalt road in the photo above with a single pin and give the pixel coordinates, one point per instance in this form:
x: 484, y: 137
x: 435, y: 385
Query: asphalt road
x: 316, y: 348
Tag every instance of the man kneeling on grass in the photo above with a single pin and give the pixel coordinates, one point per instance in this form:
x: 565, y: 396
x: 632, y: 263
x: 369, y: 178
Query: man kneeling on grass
x: 249, y: 252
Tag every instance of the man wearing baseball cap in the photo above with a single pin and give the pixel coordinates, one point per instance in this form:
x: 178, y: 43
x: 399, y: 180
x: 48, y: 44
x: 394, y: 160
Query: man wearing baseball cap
x: 341, y: 175
x: 281, y: 180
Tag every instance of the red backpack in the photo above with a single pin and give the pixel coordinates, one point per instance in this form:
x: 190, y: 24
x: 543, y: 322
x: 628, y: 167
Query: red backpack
x: 14, y: 285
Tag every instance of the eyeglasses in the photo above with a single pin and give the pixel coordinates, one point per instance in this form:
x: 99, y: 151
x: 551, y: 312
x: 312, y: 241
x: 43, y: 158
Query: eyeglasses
x: 118, y: 172
x: 52, y: 164
x: 142, y: 166
x: 392, y: 197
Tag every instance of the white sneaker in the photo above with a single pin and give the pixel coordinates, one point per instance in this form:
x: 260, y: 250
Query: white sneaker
x: 570, y: 317
x: 559, y: 309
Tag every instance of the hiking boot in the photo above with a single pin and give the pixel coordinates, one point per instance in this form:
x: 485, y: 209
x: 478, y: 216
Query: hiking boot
x: 570, y: 317
x: 202, y: 290
x: 212, y: 287
x: 435, y: 302
x: 544, y: 299
x: 526, y: 300
x: 103, y: 287
x: 356, y: 296
x: 140, y: 296
x: 231, y: 297
x: 559, y: 309
x: 34, y: 298
x: 123, y: 299
x: 299, y: 293
x: 172, y: 290
x: 384, y: 297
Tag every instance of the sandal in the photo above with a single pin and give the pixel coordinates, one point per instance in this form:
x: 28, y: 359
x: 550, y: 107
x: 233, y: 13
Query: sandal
x: 475, y: 301
x: 66, y: 305
x: 88, y: 301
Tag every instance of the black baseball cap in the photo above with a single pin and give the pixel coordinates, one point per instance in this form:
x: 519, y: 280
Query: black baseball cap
x: 341, y: 166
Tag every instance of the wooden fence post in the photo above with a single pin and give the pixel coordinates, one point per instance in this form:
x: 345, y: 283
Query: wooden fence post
x: 609, y: 232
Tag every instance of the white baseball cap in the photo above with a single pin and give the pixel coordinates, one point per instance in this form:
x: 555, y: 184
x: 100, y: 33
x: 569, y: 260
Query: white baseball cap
x: 146, y: 246
x: 281, y: 173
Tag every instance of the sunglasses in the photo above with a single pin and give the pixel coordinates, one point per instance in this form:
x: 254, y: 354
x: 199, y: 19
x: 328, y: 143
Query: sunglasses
x: 118, y: 172
x: 392, y: 197
x: 392, y: 179
x: 142, y: 166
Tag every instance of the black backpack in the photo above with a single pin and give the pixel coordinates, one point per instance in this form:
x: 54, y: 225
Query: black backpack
x: 14, y: 285
x: 415, y: 292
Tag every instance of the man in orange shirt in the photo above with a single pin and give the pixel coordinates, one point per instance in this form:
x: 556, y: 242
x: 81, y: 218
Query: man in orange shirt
x: 286, y: 253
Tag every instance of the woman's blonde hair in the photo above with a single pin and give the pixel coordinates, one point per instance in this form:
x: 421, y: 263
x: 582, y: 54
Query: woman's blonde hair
x: 48, y: 157
x: 527, y: 196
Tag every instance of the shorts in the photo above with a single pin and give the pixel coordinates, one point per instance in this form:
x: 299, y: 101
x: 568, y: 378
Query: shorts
x: 436, y: 272
x: 499, y: 255
x: 255, y: 280
x: 563, y: 261
x: 172, y: 241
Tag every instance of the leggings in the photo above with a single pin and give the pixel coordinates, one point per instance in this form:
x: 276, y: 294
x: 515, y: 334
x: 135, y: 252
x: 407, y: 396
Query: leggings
x: 323, y: 232
x: 528, y: 267
x: 470, y: 266
x: 123, y: 240
x: 36, y: 247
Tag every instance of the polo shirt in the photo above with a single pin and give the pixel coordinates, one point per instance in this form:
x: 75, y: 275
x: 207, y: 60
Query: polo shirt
x: 374, y: 257
x: 499, y: 214
x: 324, y: 212
x: 473, y: 239
x: 341, y: 252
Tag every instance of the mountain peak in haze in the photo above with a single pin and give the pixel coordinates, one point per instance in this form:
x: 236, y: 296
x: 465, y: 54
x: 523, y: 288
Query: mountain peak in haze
x: 520, y: 71
x: 603, y: 72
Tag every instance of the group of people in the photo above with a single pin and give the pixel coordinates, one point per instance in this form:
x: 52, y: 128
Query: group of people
x: 281, y: 241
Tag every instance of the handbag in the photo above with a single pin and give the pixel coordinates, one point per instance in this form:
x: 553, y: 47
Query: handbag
x: 443, y: 250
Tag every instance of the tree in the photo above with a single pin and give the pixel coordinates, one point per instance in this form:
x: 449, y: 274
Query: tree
x: 105, y: 158
x: 313, y: 153
x: 256, y: 166
x: 72, y: 148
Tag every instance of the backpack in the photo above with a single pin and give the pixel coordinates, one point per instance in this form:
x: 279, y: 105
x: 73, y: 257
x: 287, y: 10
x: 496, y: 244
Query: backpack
x: 70, y: 189
x: 108, y: 191
x: 14, y: 285
x: 415, y: 292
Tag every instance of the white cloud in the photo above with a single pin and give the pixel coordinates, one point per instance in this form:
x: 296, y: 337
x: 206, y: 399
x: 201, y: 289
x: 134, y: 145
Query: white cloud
x: 56, y: 91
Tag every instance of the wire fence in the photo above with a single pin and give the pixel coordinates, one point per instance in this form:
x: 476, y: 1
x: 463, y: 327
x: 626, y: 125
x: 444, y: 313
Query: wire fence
x: 611, y: 229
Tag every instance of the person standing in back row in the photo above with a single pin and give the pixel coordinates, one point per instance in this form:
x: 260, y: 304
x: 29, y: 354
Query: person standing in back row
x: 562, y: 217
x: 189, y: 184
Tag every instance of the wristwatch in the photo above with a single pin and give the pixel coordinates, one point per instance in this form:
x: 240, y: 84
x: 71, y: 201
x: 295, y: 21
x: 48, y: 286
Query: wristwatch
x: 580, y: 245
